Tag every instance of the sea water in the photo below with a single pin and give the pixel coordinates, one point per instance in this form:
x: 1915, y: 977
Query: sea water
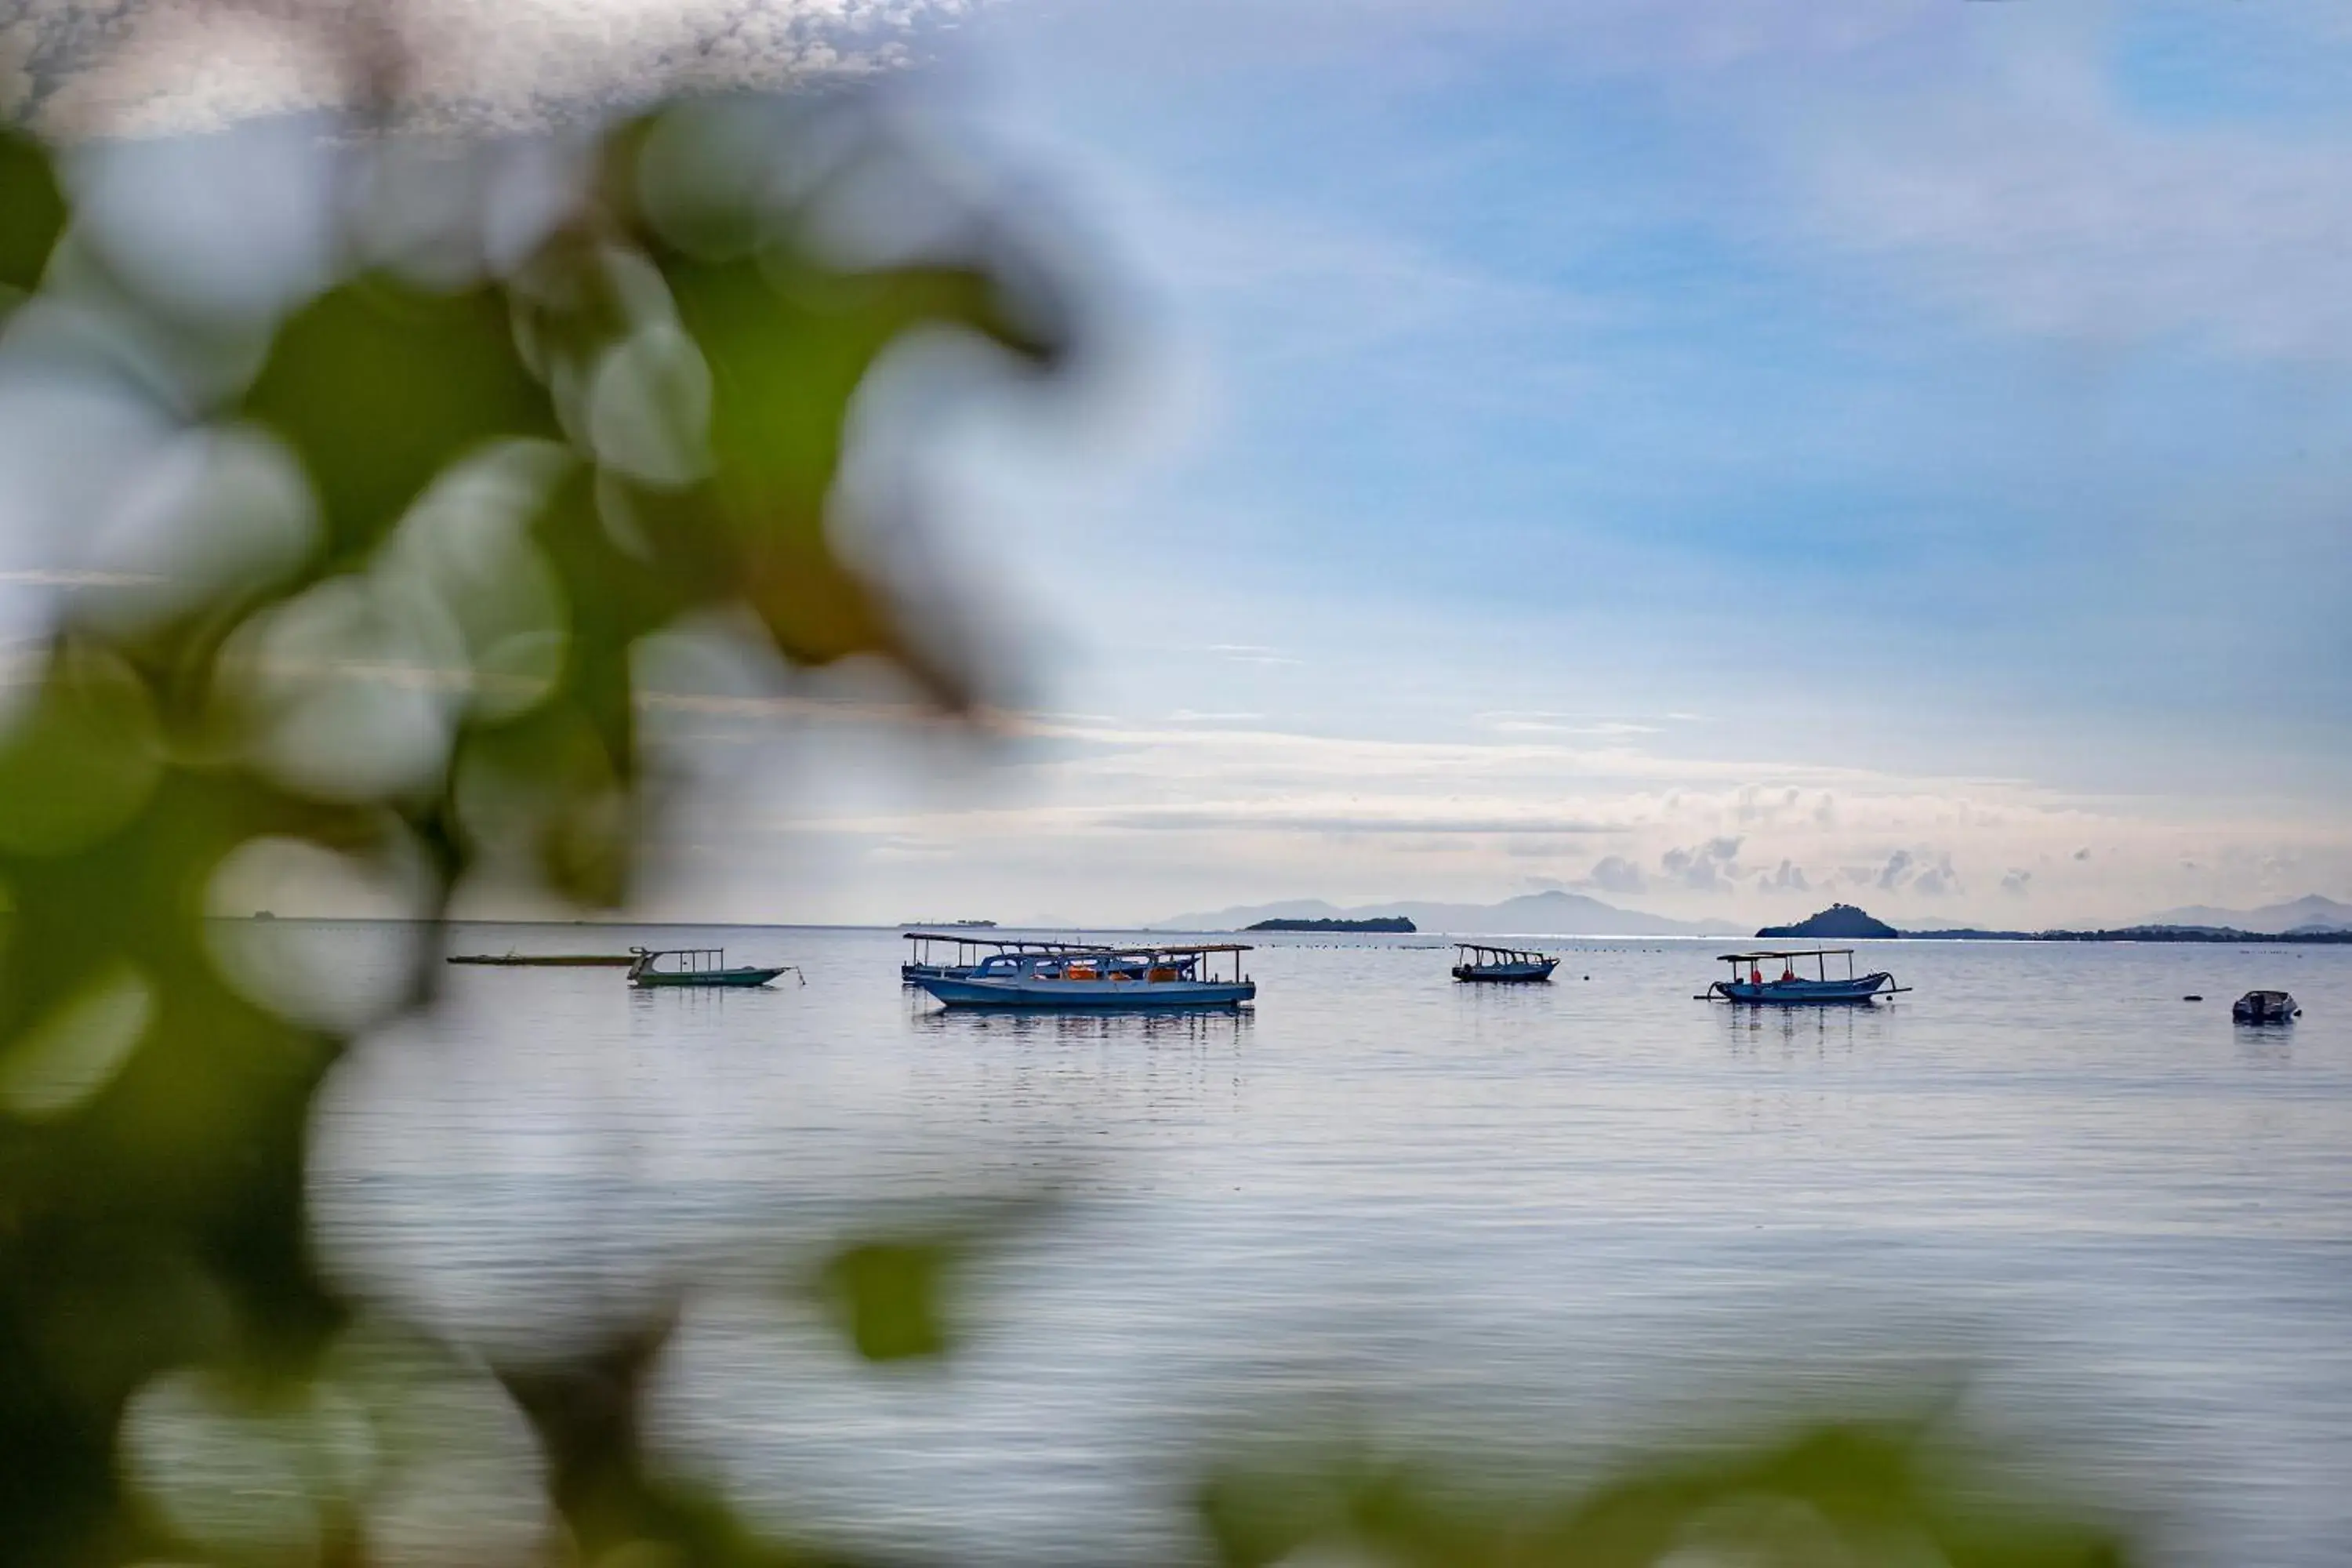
x: 1531, y: 1226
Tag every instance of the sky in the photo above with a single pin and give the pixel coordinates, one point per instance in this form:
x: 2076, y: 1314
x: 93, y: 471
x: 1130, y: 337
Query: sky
x: 1719, y: 457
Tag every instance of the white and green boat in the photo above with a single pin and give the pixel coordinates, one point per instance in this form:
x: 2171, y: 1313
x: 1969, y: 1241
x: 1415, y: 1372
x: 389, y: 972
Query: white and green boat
x: 695, y: 966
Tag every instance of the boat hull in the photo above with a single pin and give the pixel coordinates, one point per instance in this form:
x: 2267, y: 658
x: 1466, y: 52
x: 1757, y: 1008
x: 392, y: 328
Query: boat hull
x: 1863, y: 989
x: 1506, y: 974
x: 1082, y: 996
x: 736, y: 979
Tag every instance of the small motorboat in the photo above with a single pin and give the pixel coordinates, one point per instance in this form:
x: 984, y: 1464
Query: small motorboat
x: 1108, y: 978
x: 696, y: 966
x: 1478, y: 962
x: 2265, y: 1007
x: 1750, y: 980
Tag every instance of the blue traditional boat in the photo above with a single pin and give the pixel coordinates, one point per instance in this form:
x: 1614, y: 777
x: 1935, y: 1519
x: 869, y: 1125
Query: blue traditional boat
x: 696, y: 966
x: 1790, y: 989
x: 1104, y: 978
x: 1479, y: 961
x: 953, y: 956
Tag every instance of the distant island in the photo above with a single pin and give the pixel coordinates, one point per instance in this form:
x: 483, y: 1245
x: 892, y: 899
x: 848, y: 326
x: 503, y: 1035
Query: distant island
x: 2323, y: 936
x: 1379, y: 922
x: 1846, y: 921
x: 1552, y: 913
x: 1842, y: 921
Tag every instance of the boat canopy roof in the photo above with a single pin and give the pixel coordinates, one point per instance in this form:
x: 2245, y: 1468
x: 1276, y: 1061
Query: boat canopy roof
x: 1038, y: 945
x: 1529, y: 952
x: 1129, y: 950
x: 1786, y: 952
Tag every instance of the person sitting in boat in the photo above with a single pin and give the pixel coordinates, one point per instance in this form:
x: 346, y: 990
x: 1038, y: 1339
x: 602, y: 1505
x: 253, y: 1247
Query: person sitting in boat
x: 1788, y: 971
x: 1755, y: 975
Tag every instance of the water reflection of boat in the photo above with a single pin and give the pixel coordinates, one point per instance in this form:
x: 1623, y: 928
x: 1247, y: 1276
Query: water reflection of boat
x: 1203, y: 1027
x: 937, y: 955
x: 696, y: 966
x: 1794, y: 990
x: 1479, y: 961
x: 1108, y: 978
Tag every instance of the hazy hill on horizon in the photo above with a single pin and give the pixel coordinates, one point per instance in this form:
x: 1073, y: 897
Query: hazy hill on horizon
x: 2311, y: 909
x: 1531, y: 914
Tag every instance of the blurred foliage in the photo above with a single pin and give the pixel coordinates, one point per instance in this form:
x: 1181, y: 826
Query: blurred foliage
x: 891, y: 1297
x: 430, y: 514
x: 1839, y: 1493
x: 504, y: 484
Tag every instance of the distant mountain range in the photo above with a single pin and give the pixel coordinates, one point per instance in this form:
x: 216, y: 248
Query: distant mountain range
x: 1534, y: 914
x: 2309, y: 913
x: 1573, y: 914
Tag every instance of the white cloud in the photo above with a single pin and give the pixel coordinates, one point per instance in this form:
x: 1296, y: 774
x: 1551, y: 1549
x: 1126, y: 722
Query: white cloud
x: 2066, y: 218
x: 1289, y: 819
x: 1703, y: 867
x: 1937, y: 880
x: 1616, y: 874
x: 1508, y: 723
x: 1983, y: 156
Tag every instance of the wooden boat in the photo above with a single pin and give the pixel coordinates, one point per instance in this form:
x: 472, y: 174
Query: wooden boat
x: 1102, y: 978
x: 548, y: 959
x: 695, y: 966
x: 2265, y: 1007
x: 949, y: 955
x: 1515, y: 964
x: 1790, y: 989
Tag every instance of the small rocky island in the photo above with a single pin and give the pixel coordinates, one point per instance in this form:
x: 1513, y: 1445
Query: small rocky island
x: 1841, y: 920
x: 1396, y: 924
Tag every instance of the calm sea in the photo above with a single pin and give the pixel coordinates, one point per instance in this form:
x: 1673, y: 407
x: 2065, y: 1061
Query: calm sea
x: 1538, y: 1225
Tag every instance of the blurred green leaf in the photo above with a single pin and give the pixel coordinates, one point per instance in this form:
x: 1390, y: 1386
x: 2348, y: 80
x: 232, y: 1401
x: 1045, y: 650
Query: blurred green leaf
x: 73, y: 1049
x: 893, y: 1297
x: 81, y: 759
x: 380, y: 386
x: 1836, y: 1493
x: 32, y: 212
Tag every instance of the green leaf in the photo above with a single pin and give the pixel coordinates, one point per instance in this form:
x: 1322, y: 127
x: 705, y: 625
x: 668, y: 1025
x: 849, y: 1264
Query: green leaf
x: 81, y: 760
x: 78, y: 1046
x: 32, y: 210
x: 891, y: 1297
x: 379, y: 386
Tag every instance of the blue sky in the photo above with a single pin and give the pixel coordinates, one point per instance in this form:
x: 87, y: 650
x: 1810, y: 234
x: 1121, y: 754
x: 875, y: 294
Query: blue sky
x: 1721, y: 456
x: 1612, y: 417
